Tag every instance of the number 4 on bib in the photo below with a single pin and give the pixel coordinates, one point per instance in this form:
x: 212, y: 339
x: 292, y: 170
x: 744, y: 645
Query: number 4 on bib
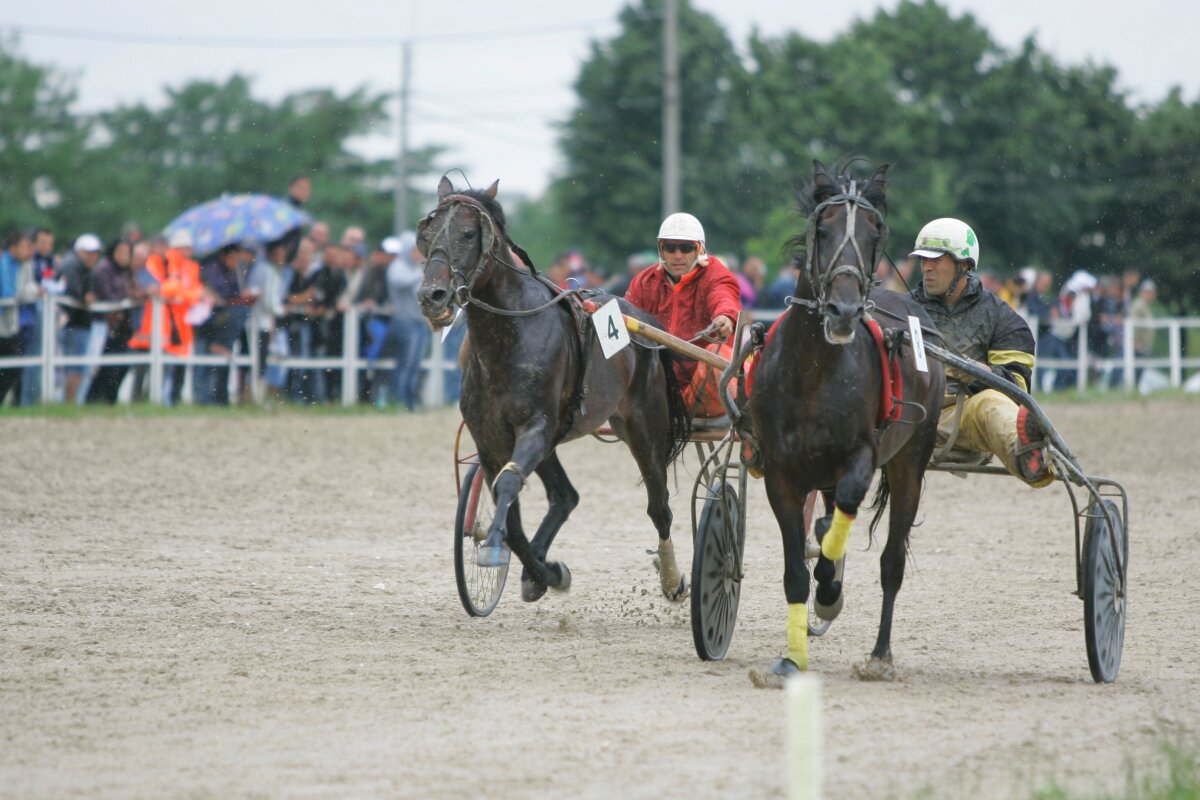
x: 610, y: 328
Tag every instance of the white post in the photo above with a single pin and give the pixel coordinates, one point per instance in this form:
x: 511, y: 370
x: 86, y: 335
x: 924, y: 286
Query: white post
x: 157, y: 307
x: 1175, y: 343
x: 1081, y: 364
x: 49, y: 327
x: 1127, y: 352
x: 804, y: 736
x: 435, y: 378
x: 257, y: 390
x: 350, y: 357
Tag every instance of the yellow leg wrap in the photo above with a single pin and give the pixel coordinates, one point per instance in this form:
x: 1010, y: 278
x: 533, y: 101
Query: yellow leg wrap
x: 797, y: 632
x: 833, y: 546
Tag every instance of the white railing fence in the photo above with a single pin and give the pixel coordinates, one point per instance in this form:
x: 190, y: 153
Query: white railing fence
x: 1082, y: 370
x: 435, y: 365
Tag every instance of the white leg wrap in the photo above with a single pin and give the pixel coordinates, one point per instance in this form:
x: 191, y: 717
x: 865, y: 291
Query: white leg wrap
x: 668, y: 569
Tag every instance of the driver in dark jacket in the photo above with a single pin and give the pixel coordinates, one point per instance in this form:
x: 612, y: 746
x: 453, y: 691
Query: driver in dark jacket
x: 978, y: 325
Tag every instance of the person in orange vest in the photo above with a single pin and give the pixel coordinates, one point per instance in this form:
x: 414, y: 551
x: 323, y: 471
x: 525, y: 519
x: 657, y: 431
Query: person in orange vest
x: 179, y: 287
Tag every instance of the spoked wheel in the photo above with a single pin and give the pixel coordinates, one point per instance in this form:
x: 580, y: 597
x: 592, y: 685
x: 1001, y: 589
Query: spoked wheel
x: 1103, y: 598
x: 479, y: 588
x: 716, y: 573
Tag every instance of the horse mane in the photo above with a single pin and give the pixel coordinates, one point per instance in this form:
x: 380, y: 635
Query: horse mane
x: 824, y: 185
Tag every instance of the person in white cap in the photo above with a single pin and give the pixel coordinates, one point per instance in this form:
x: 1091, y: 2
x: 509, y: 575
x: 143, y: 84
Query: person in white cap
x: 691, y: 293
x: 76, y: 276
x: 408, y: 333
x: 978, y: 325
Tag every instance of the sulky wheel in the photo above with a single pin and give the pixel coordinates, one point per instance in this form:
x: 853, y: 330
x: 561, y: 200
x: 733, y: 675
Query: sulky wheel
x: 479, y: 588
x: 1103, y: 598
x: 716, y: 573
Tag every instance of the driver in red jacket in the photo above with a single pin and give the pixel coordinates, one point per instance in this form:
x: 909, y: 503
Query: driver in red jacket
x: 690, y: 293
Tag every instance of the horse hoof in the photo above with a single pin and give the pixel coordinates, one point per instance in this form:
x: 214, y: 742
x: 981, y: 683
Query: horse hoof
x: 531, y: 590
x: 775, y: 675
x: 564, y: 576
x: 680, y: 592
x: 493, y: 555
x: 827, y: 603
x: 875, y: 669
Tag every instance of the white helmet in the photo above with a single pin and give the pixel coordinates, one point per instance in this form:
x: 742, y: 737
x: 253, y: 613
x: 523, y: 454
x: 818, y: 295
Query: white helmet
x: 948, y: 235
x: 682, y: 227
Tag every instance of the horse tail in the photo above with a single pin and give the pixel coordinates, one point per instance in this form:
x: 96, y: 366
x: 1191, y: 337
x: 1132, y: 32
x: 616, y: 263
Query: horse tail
x: 879, y: 503
x: 679, y: 429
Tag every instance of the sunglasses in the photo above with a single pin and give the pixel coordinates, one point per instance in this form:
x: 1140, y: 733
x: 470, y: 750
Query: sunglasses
x: 678, y: 247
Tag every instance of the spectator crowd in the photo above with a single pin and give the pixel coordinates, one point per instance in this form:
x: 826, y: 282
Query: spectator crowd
x: 292, y: 296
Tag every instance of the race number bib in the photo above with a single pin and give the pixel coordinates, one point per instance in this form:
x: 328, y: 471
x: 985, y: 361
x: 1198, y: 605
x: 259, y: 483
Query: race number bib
x: 918, y: 344
x: 610, y: 328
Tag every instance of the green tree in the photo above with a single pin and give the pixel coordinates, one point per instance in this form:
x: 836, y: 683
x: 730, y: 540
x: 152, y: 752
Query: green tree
x: 41, y: 142
x: 1153, y: 213
x: 1012, y: 142
x: 612, y: 187
x: 212, y: 138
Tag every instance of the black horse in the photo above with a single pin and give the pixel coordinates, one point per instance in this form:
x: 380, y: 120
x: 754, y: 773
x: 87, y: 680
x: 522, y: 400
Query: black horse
x: 815, y: 405
x: 535, y: 377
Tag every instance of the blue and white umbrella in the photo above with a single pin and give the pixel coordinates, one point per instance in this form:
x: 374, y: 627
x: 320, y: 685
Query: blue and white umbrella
x: 246, y: 218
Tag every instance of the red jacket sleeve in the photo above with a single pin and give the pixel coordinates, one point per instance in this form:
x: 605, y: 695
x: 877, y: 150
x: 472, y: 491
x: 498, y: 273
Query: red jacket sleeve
x: 723, y: 295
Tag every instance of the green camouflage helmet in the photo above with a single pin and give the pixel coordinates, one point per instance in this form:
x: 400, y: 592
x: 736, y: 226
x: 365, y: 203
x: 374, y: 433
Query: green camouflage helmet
x: 948, y: 235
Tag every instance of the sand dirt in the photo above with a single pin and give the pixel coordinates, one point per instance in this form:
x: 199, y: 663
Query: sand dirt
x: 201, y: 606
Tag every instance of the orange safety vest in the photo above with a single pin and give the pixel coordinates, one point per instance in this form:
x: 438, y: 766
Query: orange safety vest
x: 179, y: 288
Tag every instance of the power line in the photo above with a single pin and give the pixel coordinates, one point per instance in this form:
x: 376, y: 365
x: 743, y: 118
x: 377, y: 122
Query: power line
x: 126, y: 37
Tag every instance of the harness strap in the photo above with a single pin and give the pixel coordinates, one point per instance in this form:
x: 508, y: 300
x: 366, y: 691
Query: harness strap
x: 892, y: 390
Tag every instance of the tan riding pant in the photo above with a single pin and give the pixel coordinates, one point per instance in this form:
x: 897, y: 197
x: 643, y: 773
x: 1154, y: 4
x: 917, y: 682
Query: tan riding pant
x: 988, y: 425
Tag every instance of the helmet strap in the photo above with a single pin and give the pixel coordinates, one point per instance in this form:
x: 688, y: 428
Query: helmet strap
x: 960, y: 272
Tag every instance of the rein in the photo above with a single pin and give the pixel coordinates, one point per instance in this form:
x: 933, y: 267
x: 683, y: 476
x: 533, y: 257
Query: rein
x: 861, y: 271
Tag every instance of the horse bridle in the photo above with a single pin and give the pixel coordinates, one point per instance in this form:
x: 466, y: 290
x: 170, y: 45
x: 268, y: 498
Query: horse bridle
x: 461, y: 284
x: 861, y: 270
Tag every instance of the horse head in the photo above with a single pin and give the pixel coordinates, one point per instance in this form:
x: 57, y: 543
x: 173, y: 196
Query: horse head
x: 844, y: 241
x: 457, y: 239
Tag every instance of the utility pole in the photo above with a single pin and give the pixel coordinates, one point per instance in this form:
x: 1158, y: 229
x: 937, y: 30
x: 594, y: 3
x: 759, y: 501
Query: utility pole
x: 401, y: 200
x: 670, y: 194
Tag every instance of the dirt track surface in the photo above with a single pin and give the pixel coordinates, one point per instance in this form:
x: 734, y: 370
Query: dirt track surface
x: 265, y: 606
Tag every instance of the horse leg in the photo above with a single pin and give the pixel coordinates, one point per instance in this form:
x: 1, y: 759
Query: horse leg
x: 562, y: 499
x: 650, y: 451
x: 847, y: 497
x: 788, y: 503
x: 531, y: 448
x: 904, y: 483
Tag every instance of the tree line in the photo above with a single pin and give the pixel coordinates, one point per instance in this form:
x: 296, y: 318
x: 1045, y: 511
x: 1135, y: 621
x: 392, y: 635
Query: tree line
x: 1052, y: 163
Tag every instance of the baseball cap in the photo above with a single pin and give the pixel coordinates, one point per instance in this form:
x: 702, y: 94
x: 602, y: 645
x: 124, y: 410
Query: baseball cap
x: 391, y: 245
x: 89, y: 243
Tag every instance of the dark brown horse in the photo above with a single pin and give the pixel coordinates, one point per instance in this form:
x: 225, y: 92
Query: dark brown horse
x: 535, y: 377
x: 815, y: 406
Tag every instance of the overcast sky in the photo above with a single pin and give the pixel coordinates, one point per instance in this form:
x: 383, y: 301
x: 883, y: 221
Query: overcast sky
x: 490, y: 79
